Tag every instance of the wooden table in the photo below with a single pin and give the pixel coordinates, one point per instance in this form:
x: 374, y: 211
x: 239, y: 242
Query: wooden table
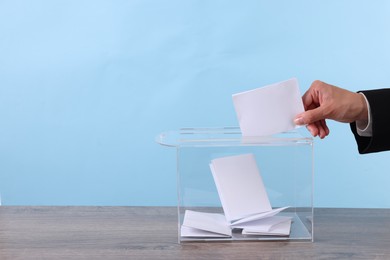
x: 151, y: 233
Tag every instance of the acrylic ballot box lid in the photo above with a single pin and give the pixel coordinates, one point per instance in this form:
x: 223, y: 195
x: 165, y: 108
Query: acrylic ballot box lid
x: 285, y: 161
x: 229, y: 136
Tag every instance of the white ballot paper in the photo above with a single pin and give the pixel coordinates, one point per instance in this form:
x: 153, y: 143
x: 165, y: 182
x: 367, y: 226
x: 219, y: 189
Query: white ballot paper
x: 263, y: 225
x: 270, y: 109
x: 240, y: 186
x: 244, y: 201
x: 281, y: 229
x: 205, y: 225
x: 257, y: 216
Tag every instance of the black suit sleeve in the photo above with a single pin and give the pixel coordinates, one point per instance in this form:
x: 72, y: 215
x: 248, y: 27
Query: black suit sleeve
x: 379, y: 101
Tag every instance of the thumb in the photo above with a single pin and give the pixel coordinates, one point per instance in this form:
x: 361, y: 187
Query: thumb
x: 310, y: 116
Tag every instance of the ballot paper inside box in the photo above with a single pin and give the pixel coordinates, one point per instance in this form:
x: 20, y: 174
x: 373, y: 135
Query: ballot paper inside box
x: 209, y: 212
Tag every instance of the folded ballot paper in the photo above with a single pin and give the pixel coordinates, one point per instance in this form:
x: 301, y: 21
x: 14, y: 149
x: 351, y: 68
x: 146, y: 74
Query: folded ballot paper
x: 244, y: 201
x: 268, y: 110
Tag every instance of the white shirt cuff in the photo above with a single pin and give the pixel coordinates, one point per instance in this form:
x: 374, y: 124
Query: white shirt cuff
x: 364, y: 127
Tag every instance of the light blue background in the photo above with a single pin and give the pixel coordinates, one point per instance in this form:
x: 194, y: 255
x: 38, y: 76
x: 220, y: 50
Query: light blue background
x: 85, y: 86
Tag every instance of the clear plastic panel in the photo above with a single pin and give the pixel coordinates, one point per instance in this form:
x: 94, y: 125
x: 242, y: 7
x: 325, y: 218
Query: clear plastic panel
x: 285, y: 162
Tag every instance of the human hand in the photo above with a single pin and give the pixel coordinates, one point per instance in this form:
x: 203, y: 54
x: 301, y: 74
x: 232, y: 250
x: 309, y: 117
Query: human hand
x: 323, y: 101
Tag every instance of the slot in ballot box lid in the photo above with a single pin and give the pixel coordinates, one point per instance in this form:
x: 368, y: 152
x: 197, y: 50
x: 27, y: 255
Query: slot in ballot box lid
x: 228, y: 136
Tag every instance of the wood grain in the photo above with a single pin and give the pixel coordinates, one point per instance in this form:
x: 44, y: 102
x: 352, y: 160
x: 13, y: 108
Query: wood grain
x: 151, y: 233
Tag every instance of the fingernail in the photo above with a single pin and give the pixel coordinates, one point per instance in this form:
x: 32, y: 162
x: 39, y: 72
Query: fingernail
x: 298, y: 121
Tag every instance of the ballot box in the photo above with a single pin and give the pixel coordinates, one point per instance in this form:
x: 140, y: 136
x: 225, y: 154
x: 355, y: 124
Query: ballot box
x: 235, y: 188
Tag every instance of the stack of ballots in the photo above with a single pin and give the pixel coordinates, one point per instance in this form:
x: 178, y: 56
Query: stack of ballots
x: 244, y: 201
x: 264, y: 111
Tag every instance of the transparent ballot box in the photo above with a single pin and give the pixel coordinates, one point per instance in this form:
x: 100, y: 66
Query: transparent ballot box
x: 218, y: 179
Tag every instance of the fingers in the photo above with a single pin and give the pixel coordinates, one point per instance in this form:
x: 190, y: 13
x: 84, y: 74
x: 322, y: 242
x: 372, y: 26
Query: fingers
x: 315, y: 114
x: 319, y: 129
x: 325, y: 128
x: 313, y: 129
x: 312, y: 96
x: 299, y: 120
x: 310, y: 116
x: 307, y: 99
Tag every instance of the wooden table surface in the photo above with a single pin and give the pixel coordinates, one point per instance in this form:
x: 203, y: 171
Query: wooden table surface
x: 151, y: 233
